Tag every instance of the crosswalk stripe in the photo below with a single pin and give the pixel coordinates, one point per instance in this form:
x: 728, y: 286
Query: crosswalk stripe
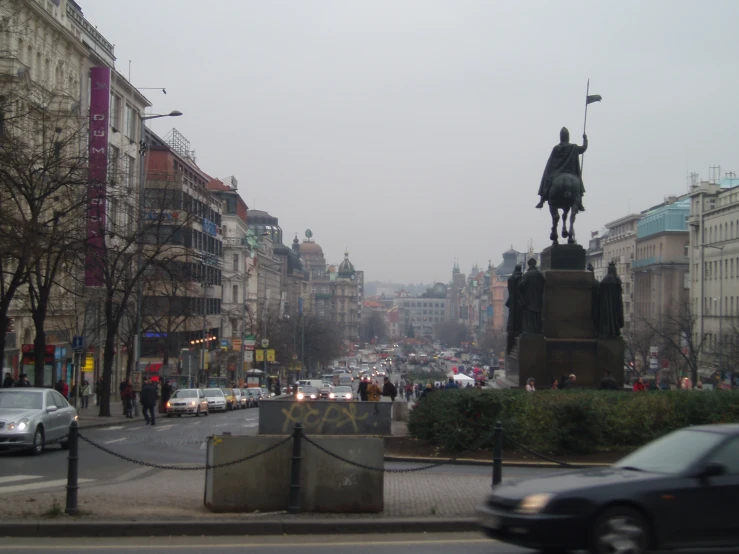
x: 114, y: 428
x: 12, y: 478
x: 36, y: 486
x: 165, y: 427
x: 115, y: 440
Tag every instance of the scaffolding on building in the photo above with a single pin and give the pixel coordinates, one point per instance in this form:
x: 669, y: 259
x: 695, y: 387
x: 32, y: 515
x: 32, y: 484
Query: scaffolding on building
x: 177, y: 142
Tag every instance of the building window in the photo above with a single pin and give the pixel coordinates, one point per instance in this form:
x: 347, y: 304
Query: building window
x: 113, y: 159
x: 235, y: 294
x: 115, y: 111
x: 236, y: 262
x: 130, y: 122
x: 129, y: 164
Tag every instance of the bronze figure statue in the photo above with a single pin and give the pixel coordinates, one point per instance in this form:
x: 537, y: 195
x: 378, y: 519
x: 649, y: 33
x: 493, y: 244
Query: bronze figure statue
x: 610, y: 305
x: 513, y: 329
x: 531, y: 288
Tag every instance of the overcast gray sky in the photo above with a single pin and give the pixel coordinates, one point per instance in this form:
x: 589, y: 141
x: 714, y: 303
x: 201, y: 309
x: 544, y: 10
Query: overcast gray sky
x: 412, y: 132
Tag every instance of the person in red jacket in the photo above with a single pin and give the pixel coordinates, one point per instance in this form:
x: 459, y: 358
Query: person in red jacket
x: 639, y: 385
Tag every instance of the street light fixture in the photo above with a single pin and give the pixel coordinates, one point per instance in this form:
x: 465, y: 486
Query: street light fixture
x: 140, y: 228
x: 720, y: 304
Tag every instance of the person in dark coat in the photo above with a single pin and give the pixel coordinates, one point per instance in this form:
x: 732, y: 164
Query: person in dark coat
x: 388, y: 389
x: 362, y: 390
x: 23, y: 381
x: 427, y: 391
x: 166, y: 395
x: 148, y: 399
x: 451, y: 384
x: 8, y: 382
x: 122, y: 390
x: 608, y: 382
x: 610, y: 305
x: 129, y: 398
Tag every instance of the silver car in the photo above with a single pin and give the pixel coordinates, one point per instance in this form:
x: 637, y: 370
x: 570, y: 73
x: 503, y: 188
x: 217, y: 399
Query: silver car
x: 187, y: 401
x: 216, y: 400
x: 29, y: 418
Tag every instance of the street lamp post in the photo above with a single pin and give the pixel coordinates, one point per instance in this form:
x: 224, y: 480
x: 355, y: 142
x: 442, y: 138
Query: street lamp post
x: 140, y: 228
x: 720, y: 306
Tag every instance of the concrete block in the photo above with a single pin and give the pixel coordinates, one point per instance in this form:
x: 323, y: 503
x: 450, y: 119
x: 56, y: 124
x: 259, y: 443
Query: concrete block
x: 322, y: 417
x: 611, y: 358
x: 563, y: 256
x: 532, y: 359
x: 263, y: 483
x: 400, y: 410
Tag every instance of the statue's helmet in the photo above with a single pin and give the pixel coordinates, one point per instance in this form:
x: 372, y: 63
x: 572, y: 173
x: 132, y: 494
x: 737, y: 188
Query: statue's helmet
x: 564, y: 135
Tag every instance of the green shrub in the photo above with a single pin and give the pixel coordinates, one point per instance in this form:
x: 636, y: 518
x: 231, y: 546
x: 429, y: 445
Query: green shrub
x: 562, y: 422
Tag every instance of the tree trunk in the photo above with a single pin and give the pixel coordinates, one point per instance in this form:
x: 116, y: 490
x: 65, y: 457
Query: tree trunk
x: 39, y: 356
x: 3, y: 327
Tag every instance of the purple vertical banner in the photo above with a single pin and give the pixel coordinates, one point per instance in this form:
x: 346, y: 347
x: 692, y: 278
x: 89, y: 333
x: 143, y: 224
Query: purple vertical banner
x: 98, y: 174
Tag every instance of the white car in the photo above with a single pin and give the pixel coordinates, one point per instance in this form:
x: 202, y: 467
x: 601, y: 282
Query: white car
x: 344, y: 394
x: 187, y: 401
x: 216, y: 400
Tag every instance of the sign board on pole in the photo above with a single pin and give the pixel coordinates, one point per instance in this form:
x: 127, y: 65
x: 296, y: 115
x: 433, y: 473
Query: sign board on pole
x: 270, y: 355
x: 259, y: 355
x: 265, y: 343
x: 249, y: 356
x: 653, y: 361
x: 249, y: 342
x: 236, y: 344
x: 89, y: 362
x: 137, y: 381
x: 78, y: 343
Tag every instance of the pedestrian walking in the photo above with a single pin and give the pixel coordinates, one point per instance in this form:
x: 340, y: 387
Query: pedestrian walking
x: 427, y: 391
x: 639, y: 385
x: 86, y: 393
x: 389, y: 390
x: 451, y: 384
x: 23, y: 381
x: 362, y: 389
x: 374, y: 392
x: 98, y: 391
x: 122, y: 390
x: 65, y: 389
x: 128, y: 397
x: 608, y: 382
x: 554, y: 385
x: 8, y: 381
x: 148, y: 399
x: 166, y: 395
x: 531, y: 385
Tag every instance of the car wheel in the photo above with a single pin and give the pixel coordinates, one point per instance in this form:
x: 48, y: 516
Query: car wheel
x: 206, y: 413
x: 620, y: 529
x: 38, y: 441
x: 179, y: 415
x: 197, y: 414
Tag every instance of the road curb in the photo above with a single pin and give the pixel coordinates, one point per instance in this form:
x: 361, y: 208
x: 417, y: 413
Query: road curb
x: 96, y: 424
x: 79, y: 529
x: 473, y: 462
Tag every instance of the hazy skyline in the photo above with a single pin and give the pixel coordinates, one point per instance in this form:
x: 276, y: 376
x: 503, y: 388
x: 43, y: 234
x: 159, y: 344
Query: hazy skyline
x: 416, y: 132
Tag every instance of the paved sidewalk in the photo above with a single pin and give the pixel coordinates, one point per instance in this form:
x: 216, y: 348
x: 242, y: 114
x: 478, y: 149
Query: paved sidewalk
x: 89, y: 418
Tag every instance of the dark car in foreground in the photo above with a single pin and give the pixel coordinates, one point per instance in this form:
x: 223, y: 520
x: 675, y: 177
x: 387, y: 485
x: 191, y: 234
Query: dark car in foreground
x: 679, y: 491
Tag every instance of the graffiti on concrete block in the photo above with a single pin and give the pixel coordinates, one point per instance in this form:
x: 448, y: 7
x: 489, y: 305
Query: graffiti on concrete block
x: 314, y: 418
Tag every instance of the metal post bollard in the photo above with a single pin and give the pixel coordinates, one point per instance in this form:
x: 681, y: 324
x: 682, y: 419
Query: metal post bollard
x: 293, y: 505
x: 498, y: 454
x: 72, y: 470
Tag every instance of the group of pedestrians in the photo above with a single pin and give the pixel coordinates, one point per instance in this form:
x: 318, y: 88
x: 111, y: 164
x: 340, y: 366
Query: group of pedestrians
x: 22, y: 381
x: 370, y: 391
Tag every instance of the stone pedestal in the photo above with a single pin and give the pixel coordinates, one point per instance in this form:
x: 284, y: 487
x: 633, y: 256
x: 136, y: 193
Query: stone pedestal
x: 568, y: 344
x: 563, y: 256
x: 568, y: 304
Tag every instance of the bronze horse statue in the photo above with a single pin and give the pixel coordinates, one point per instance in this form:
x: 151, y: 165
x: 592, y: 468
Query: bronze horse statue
x: 564, y: 195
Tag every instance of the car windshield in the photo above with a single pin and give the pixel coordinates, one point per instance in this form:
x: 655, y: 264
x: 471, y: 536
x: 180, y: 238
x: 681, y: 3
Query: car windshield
x: 673, y: 453
x: 213, y: 392
x: 185, y: 394
x: 26, y: 400
x: 227, y: 391
x: 308, y: 390
x: 342, y: 390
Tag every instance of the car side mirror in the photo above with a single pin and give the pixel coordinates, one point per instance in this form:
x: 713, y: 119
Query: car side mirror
x: 50, y: 409
x: 712, y: 469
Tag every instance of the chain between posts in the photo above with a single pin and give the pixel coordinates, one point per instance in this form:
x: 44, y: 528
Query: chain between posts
x: 538, y: 455
x: 180, y: 468
x: 404, y: 470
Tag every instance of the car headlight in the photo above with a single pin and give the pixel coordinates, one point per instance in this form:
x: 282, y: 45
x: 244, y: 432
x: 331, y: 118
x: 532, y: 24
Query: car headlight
x: 22, y: 424
x: 169, y: 404
x: 331, y: 395
x: 301, y: 396
x: 192, y: 403
x: 348, y: 396
x: 533, y: 504
x: 313, y: 396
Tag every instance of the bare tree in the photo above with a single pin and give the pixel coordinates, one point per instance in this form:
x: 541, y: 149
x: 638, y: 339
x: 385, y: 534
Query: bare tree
x: 678, y: 330
x: 639, y: 339
x: 43, y: 173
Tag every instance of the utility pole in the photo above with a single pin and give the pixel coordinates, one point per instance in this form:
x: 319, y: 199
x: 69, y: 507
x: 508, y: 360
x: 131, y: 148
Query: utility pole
x: 205, y: 321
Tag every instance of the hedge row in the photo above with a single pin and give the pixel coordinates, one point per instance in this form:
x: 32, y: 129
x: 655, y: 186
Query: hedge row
x: 578, y: 422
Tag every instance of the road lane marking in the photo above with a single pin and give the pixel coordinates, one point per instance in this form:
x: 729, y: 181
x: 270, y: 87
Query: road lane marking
x: 248, y: 425
x: 36, y: 486
x: 164, y: 428
x: 114, y: 428
x: 12, y: 478
x: 195, y: 423
x: 114, y: 440
x: 244, y: 546
x: 134, y: 428
x: 203, y: 445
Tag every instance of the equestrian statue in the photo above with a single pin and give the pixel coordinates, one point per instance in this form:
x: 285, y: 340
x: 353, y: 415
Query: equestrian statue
x: 561, y: 185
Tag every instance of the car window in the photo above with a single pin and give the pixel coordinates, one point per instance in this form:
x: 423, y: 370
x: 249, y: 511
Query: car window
x: 26, y: 400
x: 728, y: 455
x: 49, y: 399
x: 59, y: 400
x: 185, y: 394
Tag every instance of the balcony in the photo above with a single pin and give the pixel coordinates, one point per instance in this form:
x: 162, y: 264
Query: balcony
x: 238, y: 242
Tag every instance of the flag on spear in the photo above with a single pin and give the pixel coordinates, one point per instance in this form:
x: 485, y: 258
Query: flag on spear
x: 593, y: 98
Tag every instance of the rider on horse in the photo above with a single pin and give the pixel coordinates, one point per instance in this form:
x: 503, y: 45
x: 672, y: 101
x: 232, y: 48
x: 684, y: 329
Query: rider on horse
x: 563, y: 159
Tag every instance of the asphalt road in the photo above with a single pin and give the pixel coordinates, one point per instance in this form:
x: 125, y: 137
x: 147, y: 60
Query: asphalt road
x: 469, y: 543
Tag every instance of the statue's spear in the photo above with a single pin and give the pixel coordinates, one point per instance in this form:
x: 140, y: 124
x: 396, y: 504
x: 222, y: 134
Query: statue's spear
x: 588, y: 100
